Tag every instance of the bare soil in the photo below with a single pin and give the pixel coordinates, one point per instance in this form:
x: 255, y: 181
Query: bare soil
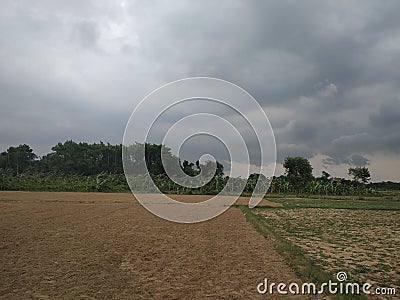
x: 107, y: 246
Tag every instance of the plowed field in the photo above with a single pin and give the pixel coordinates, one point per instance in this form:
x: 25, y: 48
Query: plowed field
x: 107, y: 246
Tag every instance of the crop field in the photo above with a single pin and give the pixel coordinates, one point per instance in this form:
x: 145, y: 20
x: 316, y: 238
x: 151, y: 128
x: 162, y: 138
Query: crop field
x: 358, y: 237
x: 107, y: 246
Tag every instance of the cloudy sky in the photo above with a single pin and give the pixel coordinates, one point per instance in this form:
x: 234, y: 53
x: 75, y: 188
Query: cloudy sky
x: 327, y: 73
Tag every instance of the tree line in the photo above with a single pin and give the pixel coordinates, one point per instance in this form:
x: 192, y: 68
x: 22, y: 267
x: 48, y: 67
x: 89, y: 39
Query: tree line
x: 90, y: 167
x: 68, y: 158
x: 98, y: 167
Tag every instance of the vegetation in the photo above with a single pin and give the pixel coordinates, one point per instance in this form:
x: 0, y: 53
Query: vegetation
x: 81, y: 166
x: 87, y: 167
x: 36, y: 181
x: 360, y: 174
x: 342, y: 202
x: 298, y: 172
x: 320, y: 237
x: 303, y: 264
x: 17, y: 159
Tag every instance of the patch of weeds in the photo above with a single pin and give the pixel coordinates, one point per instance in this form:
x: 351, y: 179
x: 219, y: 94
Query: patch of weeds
x: 362, y: 269
x: 363, y: 243
x: 307, y: 269
x: 383, y: 267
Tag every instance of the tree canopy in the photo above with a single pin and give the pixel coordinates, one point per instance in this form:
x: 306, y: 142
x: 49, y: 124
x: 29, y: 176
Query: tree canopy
x: 298, y: 168
x: 298, y: 171
x: 360, y: 174
x: 17, y: 159
x: 99, y: 167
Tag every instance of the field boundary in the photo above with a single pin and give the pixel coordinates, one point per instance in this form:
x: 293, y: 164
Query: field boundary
x: 294, y: 256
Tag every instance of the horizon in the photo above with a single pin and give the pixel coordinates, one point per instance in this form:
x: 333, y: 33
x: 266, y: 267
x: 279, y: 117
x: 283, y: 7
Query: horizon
x: 278, y: 171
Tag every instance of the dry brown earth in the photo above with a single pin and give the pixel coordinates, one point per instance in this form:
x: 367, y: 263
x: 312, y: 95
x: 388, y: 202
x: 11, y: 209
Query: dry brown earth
x: 107, y: 246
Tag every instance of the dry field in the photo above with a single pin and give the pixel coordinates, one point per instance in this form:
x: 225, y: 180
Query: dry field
x: 107, y: 246
x: 363, y: 243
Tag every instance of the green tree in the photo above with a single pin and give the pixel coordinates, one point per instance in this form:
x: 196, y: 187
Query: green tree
x: 252, y: 181
x: 154, y: 157
x: 188, y: 168
x: 298, y: 172
x: 360, y: 174
x: 17, y: 159
x: 220, y: 169
x: 82, y: 159
x: 325, y: 175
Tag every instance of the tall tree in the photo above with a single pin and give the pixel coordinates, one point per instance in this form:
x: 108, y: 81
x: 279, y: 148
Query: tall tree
x: 360, y: 174
x: 155, y: 156
x: 18, y: 158
x: 298, y: 171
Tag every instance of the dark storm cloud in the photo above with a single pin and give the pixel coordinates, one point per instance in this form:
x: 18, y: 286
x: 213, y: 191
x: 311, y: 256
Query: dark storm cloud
x: 324, y: 52
x: 388, y: 117
x: 326, y: 72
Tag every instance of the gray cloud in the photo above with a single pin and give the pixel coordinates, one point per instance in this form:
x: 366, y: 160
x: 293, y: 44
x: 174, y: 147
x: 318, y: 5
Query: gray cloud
x: 85, y: 33
x: 326, y: 72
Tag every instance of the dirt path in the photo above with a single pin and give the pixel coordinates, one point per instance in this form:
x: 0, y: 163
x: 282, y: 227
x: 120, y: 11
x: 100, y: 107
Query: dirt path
x: 106, y: 246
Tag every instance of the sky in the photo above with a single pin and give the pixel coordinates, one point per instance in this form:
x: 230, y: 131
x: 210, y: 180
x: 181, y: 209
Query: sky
x: 326, y: 73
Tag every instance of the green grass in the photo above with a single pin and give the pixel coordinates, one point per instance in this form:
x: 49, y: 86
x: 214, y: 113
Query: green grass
x: 366, y: 203
x: 320, y: 236
x: 294, y: 256
x: 305, y: 267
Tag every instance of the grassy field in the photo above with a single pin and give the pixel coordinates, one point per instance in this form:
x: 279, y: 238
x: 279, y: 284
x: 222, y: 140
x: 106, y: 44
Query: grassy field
x: 341, y: 203
x: 321, y: 237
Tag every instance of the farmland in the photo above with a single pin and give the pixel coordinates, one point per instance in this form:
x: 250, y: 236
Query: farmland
x: 321, y: 237
x: 107, y: 246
